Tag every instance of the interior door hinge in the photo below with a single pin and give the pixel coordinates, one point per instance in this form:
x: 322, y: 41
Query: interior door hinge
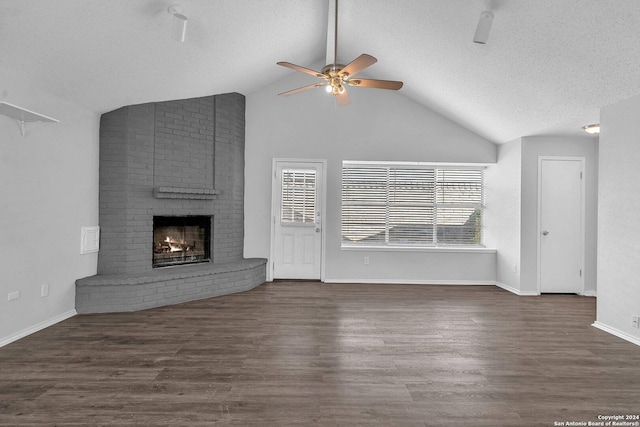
x: 580, y: 175
x: 580, y: 273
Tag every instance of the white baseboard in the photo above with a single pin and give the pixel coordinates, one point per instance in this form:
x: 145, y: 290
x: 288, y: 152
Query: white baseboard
x: 38, y: 327
x: 517, y: 291
x: 412, y: 282
x: 613, y: 331
x: 533, y: 293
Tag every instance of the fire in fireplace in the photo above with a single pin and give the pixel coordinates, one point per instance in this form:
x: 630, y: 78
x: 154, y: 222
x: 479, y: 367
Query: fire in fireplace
x: 181, y: 240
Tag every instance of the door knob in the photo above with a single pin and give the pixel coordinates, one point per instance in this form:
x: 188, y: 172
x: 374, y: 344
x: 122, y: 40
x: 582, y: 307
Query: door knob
x: 317, y: 230
x: 545, y: 232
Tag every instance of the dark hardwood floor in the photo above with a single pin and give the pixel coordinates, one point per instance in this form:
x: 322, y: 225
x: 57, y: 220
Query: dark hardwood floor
x: 306, y: 353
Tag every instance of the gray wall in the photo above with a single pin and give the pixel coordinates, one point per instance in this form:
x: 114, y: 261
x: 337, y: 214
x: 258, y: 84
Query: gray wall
x: 512, y: 208
x: 503, y: 213
x: 379, y: 125
x: 532, y: 147
x: 618, y: 225
x: 49, y: 189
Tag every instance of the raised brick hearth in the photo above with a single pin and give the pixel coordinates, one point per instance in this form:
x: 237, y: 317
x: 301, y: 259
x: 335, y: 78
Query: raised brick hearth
x: 175, y: 158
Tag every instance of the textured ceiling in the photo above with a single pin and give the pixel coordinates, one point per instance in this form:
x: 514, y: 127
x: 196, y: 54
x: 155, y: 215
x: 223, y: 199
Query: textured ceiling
x: 548, y: 66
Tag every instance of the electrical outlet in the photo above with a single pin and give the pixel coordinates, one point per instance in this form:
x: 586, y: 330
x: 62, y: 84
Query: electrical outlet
x: 366, y: 260
x: 44, y: 292
x: 13, y: 295
x: 635, y: 321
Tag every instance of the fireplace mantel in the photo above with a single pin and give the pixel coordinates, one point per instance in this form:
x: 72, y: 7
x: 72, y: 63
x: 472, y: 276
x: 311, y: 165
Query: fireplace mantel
x: 185, y: 193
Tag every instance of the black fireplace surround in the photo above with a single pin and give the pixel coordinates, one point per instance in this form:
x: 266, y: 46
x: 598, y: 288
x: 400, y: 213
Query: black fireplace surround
x: 181, y: 240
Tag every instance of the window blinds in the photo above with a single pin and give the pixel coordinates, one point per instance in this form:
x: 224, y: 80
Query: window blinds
x: 411, y: 205
x: 298, y: 196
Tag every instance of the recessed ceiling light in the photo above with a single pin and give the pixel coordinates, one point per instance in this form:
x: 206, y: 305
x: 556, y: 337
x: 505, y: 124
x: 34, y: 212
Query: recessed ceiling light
x: 593, y: 129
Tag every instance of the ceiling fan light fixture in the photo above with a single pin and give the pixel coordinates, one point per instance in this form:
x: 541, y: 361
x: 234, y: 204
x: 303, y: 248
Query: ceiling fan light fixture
x: 335, y: 77
x: 593, y: 129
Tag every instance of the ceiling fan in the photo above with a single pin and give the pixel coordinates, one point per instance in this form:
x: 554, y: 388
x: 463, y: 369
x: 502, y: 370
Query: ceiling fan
x: 336, y: 76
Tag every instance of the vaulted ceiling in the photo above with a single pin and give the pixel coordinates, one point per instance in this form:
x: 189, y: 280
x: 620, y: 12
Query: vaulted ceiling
x: 548, y: 66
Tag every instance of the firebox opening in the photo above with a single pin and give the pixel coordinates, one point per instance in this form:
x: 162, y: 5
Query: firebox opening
x: 181, y: 240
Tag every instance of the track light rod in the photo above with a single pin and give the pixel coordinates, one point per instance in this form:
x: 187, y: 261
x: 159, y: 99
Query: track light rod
x: 484, y: 27
x: 179, y: 24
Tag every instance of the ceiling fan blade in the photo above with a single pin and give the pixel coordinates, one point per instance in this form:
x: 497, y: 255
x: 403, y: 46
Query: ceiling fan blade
x: 302, y: 69
x: 343, y: 99
x: 378, y: 84
x: 360, y: 63
x: 302, y: 89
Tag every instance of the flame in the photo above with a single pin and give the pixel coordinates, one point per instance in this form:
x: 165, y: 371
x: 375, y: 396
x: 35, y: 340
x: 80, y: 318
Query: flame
x: 175, y: 247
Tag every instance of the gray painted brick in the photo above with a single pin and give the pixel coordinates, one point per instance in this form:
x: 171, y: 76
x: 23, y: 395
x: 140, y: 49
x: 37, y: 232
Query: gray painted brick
x: 194, y: 143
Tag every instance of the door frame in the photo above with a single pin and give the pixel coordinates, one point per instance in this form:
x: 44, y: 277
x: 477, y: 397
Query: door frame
x: 323, y: 211
x: 582, y: 161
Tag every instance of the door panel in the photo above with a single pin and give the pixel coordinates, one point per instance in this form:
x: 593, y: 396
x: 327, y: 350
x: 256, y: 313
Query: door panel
x: 309, y: 253
x: 287, y: 248
x: 297, y: 249
x: 561, y: 228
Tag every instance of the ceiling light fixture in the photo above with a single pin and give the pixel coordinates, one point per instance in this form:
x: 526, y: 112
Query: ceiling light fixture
x: 484, y: 26
x: 179, y: 24
x: 593, y: 129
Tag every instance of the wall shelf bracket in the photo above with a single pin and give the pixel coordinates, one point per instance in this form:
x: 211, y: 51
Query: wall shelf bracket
x: 23, y: 116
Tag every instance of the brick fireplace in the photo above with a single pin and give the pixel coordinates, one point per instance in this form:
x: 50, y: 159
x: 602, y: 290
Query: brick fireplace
x: 162, y: 161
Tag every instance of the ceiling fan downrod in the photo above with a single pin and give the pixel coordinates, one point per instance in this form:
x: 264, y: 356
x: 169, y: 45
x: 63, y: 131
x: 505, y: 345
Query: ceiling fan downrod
x: 335, y: 36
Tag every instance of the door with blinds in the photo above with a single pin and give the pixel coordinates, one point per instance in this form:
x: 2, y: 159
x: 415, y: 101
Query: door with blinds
x: 298, y: 222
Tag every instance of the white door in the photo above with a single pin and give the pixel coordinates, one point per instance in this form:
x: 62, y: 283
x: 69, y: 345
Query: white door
x: 297, y: 220
x: 561, y: 217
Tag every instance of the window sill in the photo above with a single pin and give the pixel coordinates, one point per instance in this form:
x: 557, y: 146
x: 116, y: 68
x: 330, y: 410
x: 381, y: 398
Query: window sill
x: 445, y: 249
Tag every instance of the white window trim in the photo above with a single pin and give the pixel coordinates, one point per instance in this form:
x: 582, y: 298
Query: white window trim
x: 400, y: 248
x: 427, y: 164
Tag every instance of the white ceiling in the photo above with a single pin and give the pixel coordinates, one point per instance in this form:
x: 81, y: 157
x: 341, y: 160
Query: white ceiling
x: 548, y: 66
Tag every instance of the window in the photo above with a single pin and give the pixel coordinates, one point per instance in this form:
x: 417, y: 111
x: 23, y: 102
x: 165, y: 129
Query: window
x: 411, y: 204
x: 298, y: 196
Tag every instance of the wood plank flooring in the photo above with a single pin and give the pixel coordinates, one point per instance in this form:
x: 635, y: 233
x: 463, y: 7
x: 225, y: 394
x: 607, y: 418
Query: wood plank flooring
x: 306, y: 353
